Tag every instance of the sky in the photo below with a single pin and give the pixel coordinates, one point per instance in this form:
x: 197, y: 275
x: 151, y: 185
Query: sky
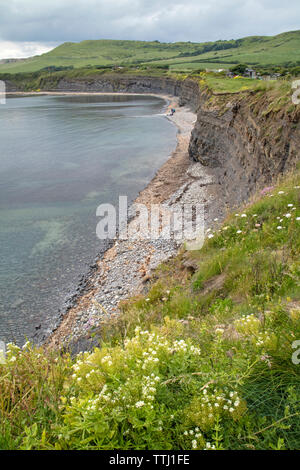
x: 31, y: 27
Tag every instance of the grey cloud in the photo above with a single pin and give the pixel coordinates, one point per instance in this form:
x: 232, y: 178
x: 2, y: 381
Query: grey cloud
x: 165, y: 20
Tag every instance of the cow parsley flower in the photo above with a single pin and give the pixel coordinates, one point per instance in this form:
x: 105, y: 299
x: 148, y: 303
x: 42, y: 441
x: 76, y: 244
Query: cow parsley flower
x: 139, y: 404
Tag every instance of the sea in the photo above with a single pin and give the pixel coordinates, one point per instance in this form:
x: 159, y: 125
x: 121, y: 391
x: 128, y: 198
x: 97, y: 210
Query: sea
x: 61, y: 156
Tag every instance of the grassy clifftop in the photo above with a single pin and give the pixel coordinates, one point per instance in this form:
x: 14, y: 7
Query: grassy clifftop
x: 204, y: 360
x: 280, y: 50
x: 216, y: 83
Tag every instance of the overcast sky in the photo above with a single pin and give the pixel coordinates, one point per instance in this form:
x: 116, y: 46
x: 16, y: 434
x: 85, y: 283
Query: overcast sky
x: 30, y: 27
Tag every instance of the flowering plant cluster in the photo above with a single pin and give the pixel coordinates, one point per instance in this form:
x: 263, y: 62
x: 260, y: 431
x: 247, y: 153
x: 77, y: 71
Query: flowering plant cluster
x: 247, y: 222
x: 117, y: 387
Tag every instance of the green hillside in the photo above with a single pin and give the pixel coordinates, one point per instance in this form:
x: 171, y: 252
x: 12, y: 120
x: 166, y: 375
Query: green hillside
x: 282, y: 49
x: 256, y: 51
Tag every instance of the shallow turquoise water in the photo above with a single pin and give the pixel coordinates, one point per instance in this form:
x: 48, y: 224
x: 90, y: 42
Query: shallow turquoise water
x: 60, y: 157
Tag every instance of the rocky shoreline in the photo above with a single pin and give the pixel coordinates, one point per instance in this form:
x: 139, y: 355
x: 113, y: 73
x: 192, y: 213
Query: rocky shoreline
x: 126, y: 266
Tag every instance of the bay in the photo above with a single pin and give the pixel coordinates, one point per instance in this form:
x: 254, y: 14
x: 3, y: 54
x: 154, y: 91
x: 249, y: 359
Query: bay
x: 60, y: 157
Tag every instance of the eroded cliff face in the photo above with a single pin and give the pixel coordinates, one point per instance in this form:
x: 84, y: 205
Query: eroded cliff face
x: 244, y: 143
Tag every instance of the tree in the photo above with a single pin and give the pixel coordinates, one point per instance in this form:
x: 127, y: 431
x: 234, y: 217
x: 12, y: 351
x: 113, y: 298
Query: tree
x: 239, y: 69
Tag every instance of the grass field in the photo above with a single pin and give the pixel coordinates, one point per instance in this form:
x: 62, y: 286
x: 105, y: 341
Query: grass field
x: 277, y: 50
x: 255, y: 51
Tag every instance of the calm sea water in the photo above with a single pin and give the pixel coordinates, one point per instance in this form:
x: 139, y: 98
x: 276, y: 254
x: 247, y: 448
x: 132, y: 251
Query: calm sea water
x: 60, y: 157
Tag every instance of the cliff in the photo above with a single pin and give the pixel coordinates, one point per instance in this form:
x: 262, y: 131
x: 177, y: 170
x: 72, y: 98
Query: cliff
x: 247, y: 139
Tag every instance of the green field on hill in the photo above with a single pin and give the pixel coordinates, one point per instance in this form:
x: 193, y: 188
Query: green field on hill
x: 280, y: 50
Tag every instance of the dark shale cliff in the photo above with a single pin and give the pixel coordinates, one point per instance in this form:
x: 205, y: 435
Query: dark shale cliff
x: 187, y: 90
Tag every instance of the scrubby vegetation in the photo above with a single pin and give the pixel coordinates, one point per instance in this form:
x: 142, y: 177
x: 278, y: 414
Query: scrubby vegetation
x: 204, y: 360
